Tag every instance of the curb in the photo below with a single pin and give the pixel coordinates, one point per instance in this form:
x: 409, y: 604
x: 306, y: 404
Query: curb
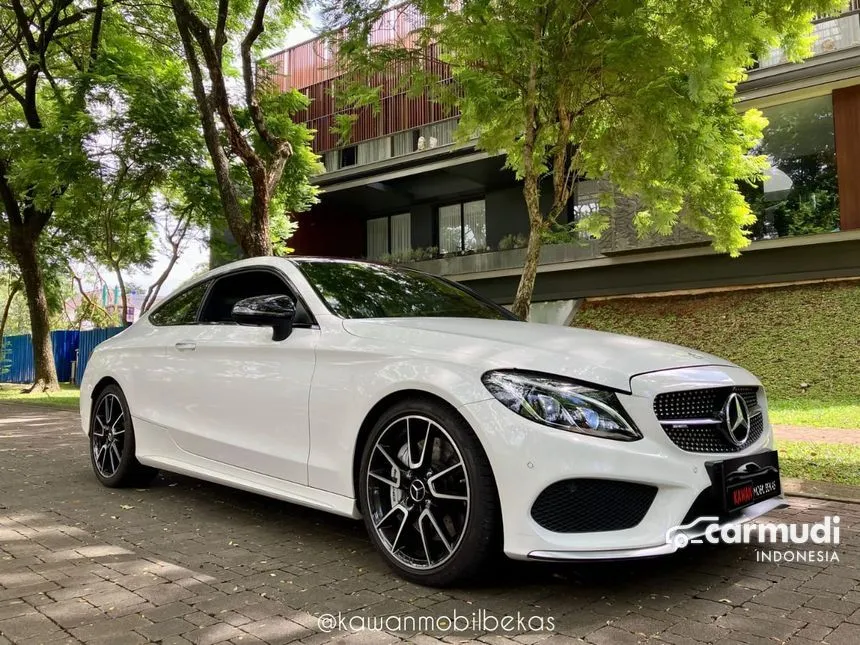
x: 821, y: 490
x: 37, y: 406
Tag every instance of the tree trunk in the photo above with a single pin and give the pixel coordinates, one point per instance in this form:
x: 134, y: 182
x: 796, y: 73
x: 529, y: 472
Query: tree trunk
x: 152, y: 293
x: 253, y: 235
x: 523, y: 299
x: 124, y: 295
x: 13, y: 291
x: 40, y: 325
x: 258, y: 240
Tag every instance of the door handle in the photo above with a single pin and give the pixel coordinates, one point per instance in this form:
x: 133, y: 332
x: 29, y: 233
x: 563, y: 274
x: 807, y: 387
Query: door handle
x: 186, y: 346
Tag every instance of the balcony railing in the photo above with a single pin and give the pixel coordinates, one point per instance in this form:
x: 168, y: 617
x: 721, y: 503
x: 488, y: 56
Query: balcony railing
x: 833, y: 33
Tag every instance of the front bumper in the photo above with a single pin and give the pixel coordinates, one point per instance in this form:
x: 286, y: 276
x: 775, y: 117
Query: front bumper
x: 746, y: 515
x: 527, y: 457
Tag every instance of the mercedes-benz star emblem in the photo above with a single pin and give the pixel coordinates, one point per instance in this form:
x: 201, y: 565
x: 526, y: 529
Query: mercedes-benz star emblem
x: 417, y: 490
x: 737, y: 419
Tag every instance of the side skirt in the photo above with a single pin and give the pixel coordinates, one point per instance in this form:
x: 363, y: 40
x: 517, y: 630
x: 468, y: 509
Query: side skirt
x: 262, y: 485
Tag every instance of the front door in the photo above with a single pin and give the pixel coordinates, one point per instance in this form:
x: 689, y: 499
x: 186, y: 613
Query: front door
x: 249, y: 393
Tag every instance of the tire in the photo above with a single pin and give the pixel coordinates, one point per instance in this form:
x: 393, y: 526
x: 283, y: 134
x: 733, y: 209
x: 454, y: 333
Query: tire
x: 112, y: 446
x: 412, y: 500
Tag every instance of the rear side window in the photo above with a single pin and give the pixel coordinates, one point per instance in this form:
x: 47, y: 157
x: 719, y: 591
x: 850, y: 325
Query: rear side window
x: 182, y: 308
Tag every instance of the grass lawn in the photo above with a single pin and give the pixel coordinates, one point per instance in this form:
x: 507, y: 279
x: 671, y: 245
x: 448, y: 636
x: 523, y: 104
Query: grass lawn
x: 830, y: 462
x: 67, y: 397
x: 816, y: 414
x: 801, y: 341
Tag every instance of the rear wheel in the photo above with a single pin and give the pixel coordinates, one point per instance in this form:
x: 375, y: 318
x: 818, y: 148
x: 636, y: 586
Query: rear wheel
x: 112, y: 442
x: 427, y: 494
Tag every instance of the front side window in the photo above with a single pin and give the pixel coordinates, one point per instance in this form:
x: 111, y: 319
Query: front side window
x: 181, y: 309
x: 463, y: 227
x: 360, y: 290
x: 800, y: 193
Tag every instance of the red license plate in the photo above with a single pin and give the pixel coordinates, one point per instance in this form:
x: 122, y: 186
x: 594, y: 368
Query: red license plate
x: 747, y: 480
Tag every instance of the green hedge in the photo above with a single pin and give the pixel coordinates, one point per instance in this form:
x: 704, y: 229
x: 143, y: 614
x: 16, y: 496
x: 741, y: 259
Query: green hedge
x: 787, y: 336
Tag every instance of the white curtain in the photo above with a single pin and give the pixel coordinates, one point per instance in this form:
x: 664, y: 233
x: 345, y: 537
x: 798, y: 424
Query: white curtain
x: 401, y: 233
x: 332, y: 160
x: 377, y: 238
x: 441, y: 133
x: 449, y: 229
x: 403, y: 142
x: 475, y: 224
x: 375, y: 150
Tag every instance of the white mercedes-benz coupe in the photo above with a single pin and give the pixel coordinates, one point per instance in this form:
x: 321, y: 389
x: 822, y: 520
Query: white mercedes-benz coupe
x: 452, y: 428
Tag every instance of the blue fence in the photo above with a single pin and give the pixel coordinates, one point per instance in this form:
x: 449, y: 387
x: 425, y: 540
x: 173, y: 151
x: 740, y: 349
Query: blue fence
x: 17, y: 365
x: 17, y: 360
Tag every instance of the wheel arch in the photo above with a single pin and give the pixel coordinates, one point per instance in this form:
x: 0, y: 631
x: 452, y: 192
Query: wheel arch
x: 380, y: 408
x: 98, y: 388
x: 102, y: 384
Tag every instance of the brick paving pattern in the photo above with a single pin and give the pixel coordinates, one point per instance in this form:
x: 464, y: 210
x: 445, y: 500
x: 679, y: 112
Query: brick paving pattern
x: 192, y: 562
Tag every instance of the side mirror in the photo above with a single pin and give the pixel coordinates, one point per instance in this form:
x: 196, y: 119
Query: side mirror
x: 277, y: 312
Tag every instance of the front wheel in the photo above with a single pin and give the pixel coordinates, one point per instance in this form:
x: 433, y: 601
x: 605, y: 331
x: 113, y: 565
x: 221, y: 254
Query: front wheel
x: 427, y: 494
x: 112, y: 442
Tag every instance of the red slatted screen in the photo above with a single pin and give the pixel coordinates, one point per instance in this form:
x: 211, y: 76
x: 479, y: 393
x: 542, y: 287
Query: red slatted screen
x: 310, y: 68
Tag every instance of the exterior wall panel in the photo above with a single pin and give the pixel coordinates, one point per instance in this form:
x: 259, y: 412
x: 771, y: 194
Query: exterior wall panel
x: 506, y: 214
x: 330, y: 232
x: 846, y: 116
x: 422, y: 226
x: 764, y: 266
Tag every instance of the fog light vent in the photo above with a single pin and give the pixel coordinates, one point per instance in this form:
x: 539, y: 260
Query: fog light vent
x: 591, y: 505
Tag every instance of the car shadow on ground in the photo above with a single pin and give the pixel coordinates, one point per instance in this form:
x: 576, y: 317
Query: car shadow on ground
x: 318, y: 527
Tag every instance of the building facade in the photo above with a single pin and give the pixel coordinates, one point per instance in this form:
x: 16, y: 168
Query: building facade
x: 402, y: 190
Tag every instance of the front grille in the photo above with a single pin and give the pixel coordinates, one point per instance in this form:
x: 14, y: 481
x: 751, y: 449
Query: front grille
x: 700, y: 404
x: 710, y: 438
x: 589, y: 505
x: 702, y: 410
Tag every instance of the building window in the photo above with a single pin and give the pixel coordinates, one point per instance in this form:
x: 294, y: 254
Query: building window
x: 437, y: 134
x: 404, y: 143
x: 800, y: 194
x: 586, y: 200
x: 389, y: 235
x: 331, y: 160
x: 401, y: 233
x: 373, y: 150
x: 348, y: 156
x: 463, y: 227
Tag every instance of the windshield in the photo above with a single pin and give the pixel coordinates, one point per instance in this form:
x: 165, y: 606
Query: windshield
x: 360, y: 290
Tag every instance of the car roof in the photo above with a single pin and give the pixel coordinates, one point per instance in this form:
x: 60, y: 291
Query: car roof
x: 299, y: 259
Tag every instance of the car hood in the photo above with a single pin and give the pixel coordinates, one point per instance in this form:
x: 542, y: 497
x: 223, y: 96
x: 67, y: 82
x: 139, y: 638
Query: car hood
x: 591, y: 356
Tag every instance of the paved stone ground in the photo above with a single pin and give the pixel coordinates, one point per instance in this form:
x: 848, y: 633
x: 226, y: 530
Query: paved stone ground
x: 186, y: 561
x: 819, y: 435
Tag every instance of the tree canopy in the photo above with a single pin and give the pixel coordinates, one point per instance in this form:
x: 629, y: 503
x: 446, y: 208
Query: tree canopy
x: 638, y: 94
x: 118, y: 119
x: 261, y: 156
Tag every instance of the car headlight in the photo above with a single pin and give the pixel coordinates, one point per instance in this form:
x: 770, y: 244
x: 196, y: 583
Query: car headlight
x: 562, y: 404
